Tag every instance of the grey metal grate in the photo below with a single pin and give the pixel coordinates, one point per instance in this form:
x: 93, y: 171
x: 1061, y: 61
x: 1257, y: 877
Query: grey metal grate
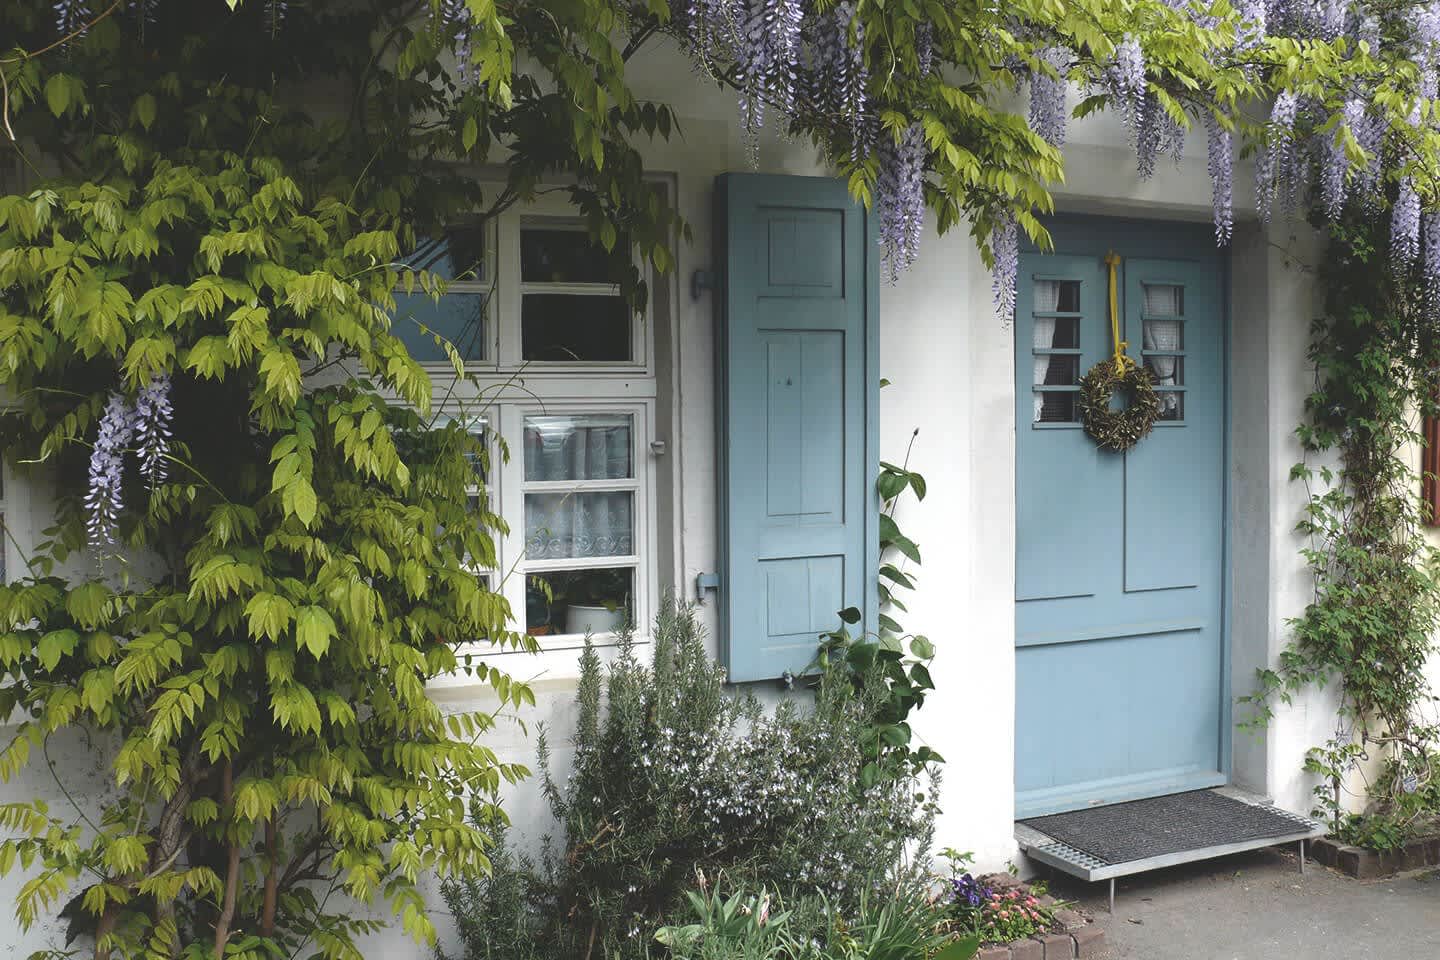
x: 1164, y: 826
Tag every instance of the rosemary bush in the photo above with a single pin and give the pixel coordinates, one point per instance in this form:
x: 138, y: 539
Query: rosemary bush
x: 675, y: 778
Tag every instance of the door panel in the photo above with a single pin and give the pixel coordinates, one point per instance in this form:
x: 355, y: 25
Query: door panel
x: 1119, y: 687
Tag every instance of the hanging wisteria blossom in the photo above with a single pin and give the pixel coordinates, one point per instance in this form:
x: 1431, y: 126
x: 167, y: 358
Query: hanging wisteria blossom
x: 1048, y: 113
x: 900, y: 197
x: 457, y: 17
x: 925, y: 47
x: 765, y: 59
x: 1274, y: 162
x: 1157, y: 133
x: 71, y: 15
x: 1220, y: 163
x: 153, y: 415
x: 1126, y: 76
x: 1005, y: 246
x: 1253, y: 16
x: 1430, y: 223
x: 103, y: 499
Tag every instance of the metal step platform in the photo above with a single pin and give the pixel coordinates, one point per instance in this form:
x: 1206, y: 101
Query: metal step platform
x: 1121, y: 839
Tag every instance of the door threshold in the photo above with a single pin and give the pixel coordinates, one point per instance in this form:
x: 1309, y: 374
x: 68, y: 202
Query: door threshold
x: 1118, y: 840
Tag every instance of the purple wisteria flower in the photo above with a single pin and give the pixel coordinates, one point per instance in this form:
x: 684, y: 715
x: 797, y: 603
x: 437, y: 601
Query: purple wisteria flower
x: 900, y: 197
x: 925, y: 47
x: 1253, y: 16
x: 71, y: 15
x: 766, y: 54
x: 1048, y: 115
x: 1220, y: 164
x: 104, y: 500
x: 1431, y: 267
x: 838, y: 73
x: 1126, y: 77
x: 1405, y: 227
x: 153, y: 416
x: 1334, y: 164
x: 1157, y: 133
x: 1005, y: 245
x: 457, y: 17
x: 1274, y: 161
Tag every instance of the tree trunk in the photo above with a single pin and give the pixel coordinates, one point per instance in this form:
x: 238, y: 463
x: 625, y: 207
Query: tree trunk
x: 232, y: 868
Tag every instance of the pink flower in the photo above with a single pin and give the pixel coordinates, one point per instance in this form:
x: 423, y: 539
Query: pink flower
x: 1004, y: 914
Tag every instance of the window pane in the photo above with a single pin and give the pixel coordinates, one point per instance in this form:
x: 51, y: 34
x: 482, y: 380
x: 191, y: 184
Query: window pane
x: 1172, y: 405
x: 1053, y: 370
x: 1057, y: 333
x: 1164, y: 335
x: 1057, y: 407
x: 1057, y: 296
x: 579, y: 525
x: 578, y: 447
x: 1164, y: 299
x: 458, y: 254
x: 557, y: 255
x: 1166, y: 371
x: 579, y: 601
x: 457, y: 317
x: 557, y: 327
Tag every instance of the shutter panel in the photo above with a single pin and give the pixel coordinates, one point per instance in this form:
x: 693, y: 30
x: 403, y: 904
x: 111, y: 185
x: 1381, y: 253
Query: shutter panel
x: 798, y: 351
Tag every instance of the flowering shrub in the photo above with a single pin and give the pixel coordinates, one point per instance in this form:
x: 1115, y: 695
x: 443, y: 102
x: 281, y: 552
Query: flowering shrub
x: 997, y: 916
x: 674, y: 776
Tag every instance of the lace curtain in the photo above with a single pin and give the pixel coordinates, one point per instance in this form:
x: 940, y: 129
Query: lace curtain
x: 573, y: 524
x: 1047, y: 300
x: 1163, y: 300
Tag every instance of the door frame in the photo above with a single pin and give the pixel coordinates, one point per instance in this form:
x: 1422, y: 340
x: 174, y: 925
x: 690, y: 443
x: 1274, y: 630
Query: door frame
x: 1086, y: 234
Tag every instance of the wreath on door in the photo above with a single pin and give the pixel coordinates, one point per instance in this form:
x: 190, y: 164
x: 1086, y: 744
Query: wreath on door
x: 1121, y: 429
x: 1111, y: 429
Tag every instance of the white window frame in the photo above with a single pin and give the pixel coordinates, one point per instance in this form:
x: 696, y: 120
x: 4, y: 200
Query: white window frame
x: 505, y: 388
x: 516, y: 567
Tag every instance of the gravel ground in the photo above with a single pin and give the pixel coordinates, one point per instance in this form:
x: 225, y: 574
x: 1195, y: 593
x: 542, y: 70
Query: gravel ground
x: 1257, y: 906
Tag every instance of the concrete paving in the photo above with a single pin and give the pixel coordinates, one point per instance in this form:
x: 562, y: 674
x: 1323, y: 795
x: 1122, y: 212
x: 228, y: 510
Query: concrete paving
x: 1257, y: 906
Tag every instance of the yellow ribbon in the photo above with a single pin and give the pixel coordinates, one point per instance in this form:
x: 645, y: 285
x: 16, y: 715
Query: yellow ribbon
x: 1112, y: 260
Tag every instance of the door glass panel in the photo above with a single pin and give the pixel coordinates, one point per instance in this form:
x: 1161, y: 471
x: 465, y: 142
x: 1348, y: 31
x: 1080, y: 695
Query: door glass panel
x: 1057, y: 370
x: 1172, y: 405
x: 579, y: 525
x: 579, y: 601
x: 1164, y: 299
x: 579, y: 447
x: 1166, y: 371
x: 1057, y: 333
x: 1057, y: 296
x: 571, y: 328
x: 1061, y: 406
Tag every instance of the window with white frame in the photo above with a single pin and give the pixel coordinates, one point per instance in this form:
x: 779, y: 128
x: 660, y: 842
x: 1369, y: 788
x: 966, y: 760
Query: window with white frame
x: 561, y: 380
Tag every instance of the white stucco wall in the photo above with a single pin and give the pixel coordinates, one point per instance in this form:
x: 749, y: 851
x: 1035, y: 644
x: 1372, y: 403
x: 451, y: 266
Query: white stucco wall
x: 951, y: 363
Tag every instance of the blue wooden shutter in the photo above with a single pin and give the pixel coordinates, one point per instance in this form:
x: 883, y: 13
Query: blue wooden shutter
x: 798, y: 350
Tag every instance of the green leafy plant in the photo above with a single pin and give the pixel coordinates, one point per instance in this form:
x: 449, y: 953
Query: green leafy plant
x: 890, y: 662
x: 1371, y: 624
x: 738, y: 927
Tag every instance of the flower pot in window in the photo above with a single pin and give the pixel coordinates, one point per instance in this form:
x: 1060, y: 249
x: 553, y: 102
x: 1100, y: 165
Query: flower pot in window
x: 583, y: 618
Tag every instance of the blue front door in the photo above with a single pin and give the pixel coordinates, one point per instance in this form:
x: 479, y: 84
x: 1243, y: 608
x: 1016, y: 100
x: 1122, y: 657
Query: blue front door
x: 1119, y: 635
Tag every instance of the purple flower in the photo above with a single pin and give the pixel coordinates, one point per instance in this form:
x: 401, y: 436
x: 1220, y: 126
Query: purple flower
x: 1431, y: 225
x: 1253, y: 14
x: 1273, y: 161
x: 1157, y: 133
x: 457, y: 17
x: 104, y: 497
x: 967, y: 891
x: 766, y: 53
x: 71, y: 15
x: 1220, y: 164
x: 1126, y: 77
x: 900, y: 197
x: 925, y: 47
x: 1405, y: 227
x: 838, y: 72
x: 153, y: 415
x: 1048, y: 115
x: 1335, y: 165
x: 1005, y: 246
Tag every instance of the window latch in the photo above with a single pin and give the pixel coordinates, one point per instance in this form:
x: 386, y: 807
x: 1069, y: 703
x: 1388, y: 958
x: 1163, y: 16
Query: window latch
x: 703, y: 582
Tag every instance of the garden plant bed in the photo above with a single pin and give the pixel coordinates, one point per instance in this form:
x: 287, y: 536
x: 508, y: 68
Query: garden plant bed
x: 1073, y: 935
x: 1365, y: 864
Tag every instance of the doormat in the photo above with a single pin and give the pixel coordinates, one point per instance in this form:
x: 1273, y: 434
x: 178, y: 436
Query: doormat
x: 1141, y: 829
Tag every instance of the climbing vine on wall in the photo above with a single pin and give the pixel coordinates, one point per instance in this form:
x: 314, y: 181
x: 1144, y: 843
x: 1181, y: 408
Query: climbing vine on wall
x: 1376, y: 604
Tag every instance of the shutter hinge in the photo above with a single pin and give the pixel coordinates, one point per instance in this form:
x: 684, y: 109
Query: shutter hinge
x: 703, y: 582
